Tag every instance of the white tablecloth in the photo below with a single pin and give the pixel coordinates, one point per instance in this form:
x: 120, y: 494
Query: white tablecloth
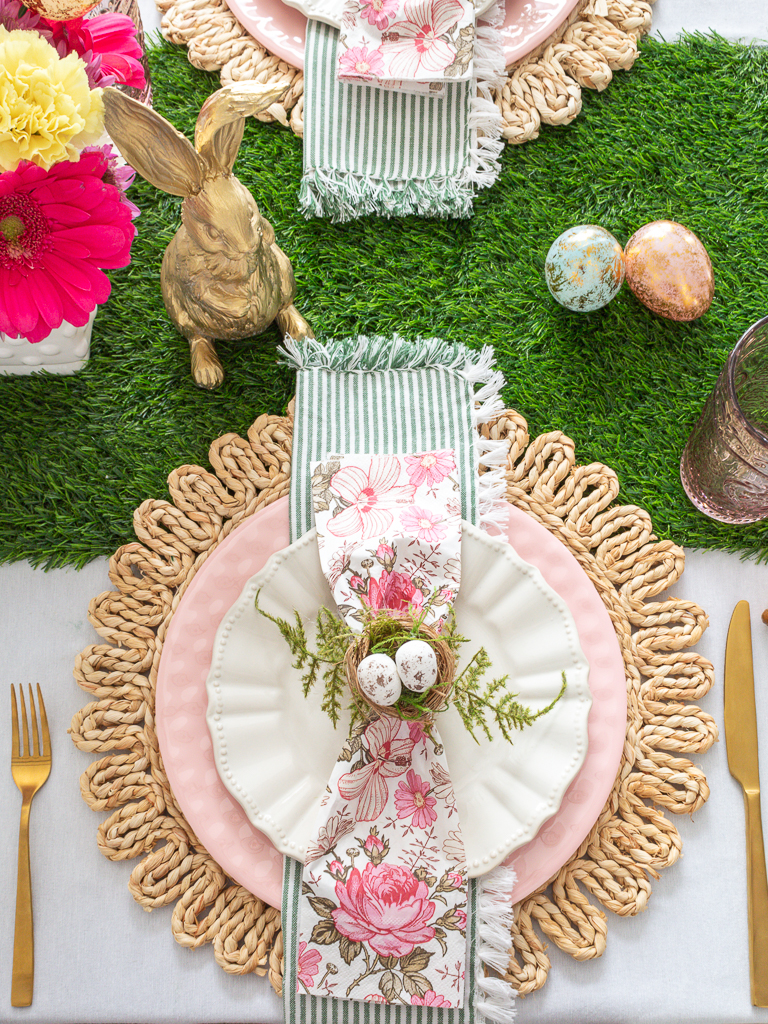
x: 100, y: 958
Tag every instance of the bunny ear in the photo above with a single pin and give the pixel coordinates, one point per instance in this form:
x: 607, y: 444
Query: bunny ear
x: 221, y: 120
x: 152, y: 145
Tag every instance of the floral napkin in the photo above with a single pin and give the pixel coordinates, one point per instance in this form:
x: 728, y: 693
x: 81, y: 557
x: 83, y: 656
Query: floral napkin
x: 389, y: 532
x: 416, y: 45
x: 384, y: 894
x: 384, y: 901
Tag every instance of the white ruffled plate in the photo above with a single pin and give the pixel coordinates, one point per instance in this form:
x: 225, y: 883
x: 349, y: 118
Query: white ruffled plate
x: 275, y: 750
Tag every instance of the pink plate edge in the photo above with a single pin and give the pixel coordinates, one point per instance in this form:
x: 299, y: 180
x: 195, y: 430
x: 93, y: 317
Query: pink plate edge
x: 247, y: 855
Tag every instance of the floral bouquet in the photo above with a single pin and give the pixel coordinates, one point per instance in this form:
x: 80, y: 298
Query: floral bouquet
x: 64, y: 216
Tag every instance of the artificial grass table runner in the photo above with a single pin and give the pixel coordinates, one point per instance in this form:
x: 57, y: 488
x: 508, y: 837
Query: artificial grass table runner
x: 682, y: 136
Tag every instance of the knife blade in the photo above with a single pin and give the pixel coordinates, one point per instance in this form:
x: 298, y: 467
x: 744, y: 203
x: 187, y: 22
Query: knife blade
x: 741, y: 744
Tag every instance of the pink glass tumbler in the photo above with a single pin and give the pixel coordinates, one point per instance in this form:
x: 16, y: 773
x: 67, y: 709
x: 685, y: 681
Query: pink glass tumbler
x: 724, y: 467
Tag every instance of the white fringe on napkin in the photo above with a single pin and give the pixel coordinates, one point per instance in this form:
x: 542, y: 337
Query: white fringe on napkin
x: 496, y: 998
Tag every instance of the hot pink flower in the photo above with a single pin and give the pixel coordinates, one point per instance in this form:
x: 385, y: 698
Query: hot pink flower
x: 58, y: 229
x: 378, y: 12
x: 360, y: 62
x: 424, y: 523
x: 108, y: 41
x: 416, y: 44
x: 386, y: 907
x: 308, y: 965
x: 393, y: 590
x: 430, y: 998
x: 391, y: 756
x: 373, y: 843
x: 431, y: 466
x: 370, y: 495
x: 13, y: 15
x: 413, y: 801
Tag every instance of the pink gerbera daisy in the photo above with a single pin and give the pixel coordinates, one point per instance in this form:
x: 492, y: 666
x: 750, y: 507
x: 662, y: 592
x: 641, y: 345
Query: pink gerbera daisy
x: 58, y: 230
x: 413, y: 800
x: 108, y: 45
x: 360, y: 62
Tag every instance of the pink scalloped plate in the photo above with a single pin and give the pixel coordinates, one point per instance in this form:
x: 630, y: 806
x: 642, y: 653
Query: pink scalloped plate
x: 282, y: 29
x: 182, y: 701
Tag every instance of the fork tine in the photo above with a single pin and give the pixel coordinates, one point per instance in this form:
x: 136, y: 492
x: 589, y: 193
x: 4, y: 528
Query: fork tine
x: 24, y: 727
x: 35, y: 736
x: 44, y: 724
x: 15, y: 724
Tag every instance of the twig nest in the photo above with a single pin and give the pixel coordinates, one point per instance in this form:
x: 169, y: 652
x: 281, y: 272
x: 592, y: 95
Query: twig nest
x: 398, y: 628
x: 379, y: 681
x: 416, y: 665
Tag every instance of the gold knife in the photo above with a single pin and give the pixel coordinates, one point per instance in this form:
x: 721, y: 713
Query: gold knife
x: 741, y: 744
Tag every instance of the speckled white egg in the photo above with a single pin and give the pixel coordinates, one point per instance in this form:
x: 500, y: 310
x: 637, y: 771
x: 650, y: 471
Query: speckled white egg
x: 378, y: 679
x: 416, y: 665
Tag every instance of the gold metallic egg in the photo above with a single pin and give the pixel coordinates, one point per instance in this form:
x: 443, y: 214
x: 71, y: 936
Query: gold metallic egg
x: 669, y: 271
x: 61, y: 10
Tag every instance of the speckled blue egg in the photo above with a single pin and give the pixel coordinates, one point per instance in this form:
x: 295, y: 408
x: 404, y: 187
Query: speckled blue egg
x: 584, y: 268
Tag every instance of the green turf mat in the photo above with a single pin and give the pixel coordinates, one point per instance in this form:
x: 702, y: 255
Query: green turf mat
x: 683, y: 136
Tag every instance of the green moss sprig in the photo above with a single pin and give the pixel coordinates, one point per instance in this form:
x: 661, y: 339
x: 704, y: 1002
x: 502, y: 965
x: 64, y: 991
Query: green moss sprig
x: 479, y: 703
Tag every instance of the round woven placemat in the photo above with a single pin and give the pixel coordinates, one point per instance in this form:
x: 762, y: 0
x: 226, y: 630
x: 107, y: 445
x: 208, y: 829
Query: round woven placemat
x: 632, y: 839
x: 544, y: 87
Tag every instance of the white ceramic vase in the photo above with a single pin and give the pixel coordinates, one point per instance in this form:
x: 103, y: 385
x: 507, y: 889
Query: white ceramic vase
x: 64, y: 351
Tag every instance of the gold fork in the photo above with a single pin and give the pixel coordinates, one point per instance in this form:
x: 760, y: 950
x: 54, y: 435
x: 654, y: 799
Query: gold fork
x: 30, y: 766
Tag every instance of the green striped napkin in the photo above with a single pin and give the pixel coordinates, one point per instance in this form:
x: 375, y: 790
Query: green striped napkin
x: 369, y: 150
x: 392, y: 396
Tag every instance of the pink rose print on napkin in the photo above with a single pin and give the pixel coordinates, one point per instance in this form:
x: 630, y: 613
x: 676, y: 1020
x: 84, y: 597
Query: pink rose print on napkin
x: 389, y: 533
x: 386, y: 907
x: 384, y: 888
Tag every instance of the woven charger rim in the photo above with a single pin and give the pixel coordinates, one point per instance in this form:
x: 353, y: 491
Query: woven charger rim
x: 633, y: 839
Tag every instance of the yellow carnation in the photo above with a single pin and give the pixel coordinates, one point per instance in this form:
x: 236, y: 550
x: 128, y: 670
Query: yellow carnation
x: 48, y: 112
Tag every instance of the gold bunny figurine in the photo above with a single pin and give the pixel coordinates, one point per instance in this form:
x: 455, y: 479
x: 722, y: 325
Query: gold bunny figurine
x: 223, y: 276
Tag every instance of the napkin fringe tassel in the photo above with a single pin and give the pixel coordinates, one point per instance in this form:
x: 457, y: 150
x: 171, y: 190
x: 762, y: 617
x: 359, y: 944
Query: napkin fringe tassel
x: 342, y: 196
x: 485, y: 118
x: 496, y: 1002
